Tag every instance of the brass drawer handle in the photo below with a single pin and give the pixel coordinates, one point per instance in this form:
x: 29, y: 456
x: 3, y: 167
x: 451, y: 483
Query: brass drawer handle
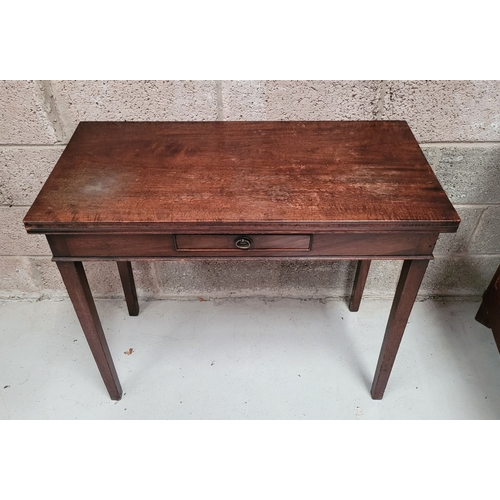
x: 243, y: 242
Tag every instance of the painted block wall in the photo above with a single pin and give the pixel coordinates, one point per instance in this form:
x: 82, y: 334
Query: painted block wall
x: 457, y: 124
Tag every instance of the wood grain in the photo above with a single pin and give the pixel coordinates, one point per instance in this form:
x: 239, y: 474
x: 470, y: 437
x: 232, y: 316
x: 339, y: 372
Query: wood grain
x: 197, y: 242
x: 156, y: 174
x: 337, y: 245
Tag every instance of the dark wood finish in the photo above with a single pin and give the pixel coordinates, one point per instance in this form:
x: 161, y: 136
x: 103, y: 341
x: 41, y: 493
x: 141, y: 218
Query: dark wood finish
x: 337, y: 245
x: 196, y: 242
x: 127, y: 278
x: 489, y: 311
x: 412, y: 274
x: 359, y: 284
x: 79, y: 292
x: 128, y: 175
x: 299, y: 190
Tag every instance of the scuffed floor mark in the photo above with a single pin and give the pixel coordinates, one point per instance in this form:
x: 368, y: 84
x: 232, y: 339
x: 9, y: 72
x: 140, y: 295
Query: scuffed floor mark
x: 359, y: 412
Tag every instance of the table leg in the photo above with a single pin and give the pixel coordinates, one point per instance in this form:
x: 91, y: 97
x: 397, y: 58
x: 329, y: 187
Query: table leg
x: 127, y: 277
x: 411, y: 277
x: 78, y: 289
x: 359, y: 284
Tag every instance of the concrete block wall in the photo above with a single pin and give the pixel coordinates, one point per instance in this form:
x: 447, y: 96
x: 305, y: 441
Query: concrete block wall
x: 457, y: 124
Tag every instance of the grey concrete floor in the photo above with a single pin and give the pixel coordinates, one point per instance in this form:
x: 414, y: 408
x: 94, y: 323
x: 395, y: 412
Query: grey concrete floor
x: 247, y: 359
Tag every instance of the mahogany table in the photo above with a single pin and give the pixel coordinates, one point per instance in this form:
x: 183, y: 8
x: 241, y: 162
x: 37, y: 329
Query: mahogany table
x: 241, y: 190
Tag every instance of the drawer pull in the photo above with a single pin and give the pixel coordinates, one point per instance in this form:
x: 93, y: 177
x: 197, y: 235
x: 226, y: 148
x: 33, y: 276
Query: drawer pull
x: 243, y: 242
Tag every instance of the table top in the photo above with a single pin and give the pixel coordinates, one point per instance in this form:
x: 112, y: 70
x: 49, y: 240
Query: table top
x: 154, y: 176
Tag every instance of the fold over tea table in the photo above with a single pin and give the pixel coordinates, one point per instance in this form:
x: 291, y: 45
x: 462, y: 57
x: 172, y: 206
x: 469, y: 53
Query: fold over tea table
x: 126, y: 191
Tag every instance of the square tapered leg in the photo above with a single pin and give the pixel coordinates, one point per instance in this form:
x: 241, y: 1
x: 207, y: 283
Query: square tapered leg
x: 73, y: 275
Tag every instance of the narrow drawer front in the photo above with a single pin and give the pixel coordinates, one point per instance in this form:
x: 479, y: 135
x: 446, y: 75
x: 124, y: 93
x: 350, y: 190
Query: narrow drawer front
x: 220, y: 242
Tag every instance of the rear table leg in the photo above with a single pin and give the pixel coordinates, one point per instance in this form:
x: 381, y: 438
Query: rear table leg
x: 127, y: 277
x: 359, y: 284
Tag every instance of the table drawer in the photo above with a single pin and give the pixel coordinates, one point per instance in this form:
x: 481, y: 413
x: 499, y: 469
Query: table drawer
x: 207, y: 242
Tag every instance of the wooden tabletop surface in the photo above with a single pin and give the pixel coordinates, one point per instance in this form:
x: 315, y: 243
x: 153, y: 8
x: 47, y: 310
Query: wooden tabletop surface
x: 158, y: 174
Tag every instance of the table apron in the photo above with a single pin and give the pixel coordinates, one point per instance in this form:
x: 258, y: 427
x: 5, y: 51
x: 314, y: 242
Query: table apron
x: 361, y: 245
